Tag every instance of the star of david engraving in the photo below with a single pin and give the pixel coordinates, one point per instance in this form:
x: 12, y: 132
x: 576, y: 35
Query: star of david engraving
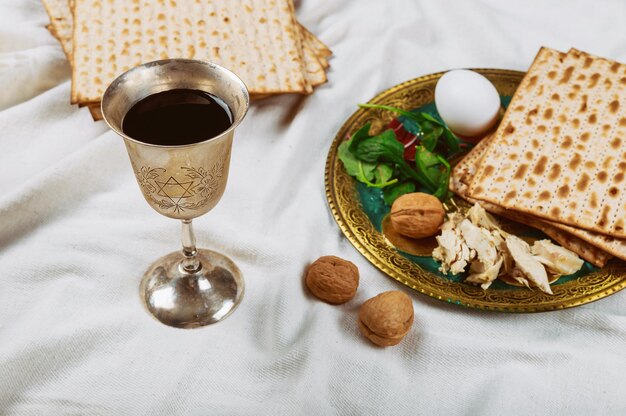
x: 175, y: 191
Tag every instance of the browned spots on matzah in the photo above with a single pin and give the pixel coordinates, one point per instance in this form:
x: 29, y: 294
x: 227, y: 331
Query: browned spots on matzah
x: 567, y: 142
x: 614, y: 106
x: 540, y: 167
x: 581, y: 243
x: 530, y: 116
x: 555, y: 171
x: 521, y: 170
x: 170, y: 21
x: 575, y: 162
x: 489, y: 170
x: 563, y: 191
x: 593, y: 80
x: 544, y: 195
x: 604, y: 216
x: 583, y: 105
x: 548, y: 113
x: 567, y: 75
x: 591, y: 98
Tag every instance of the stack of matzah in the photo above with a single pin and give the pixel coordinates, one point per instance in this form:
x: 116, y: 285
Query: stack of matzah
x: 558, y: 159
x: 259, y: 40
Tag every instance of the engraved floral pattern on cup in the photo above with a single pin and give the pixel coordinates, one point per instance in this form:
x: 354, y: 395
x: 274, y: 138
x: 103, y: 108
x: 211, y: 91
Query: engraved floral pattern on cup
x: 168, y: 192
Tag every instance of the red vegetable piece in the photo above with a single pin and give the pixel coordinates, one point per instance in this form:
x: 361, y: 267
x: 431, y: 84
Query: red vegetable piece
x: 404, y: 137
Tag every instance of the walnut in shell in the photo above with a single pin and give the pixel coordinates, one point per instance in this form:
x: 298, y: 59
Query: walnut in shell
x: 386, y: 318
x: 332, y: 279
x: 417, y: 215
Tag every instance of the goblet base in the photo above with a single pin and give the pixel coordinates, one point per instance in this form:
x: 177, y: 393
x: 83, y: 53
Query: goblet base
x: 185, y: 299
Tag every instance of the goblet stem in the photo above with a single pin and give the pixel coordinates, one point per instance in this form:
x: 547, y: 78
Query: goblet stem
x: 190, y: 263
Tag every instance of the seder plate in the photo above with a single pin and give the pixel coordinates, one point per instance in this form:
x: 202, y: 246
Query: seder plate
x: 361, y: 216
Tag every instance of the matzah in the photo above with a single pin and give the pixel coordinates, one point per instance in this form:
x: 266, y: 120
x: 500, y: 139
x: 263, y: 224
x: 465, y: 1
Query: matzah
x: 258, y: 40
x: 466, y: 169
x: 314, y: 70
x: 560, y: 151
x: 61, y: 22
x: 321, y: 50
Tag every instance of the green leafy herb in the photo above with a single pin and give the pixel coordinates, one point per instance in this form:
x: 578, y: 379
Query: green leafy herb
x: 390, y: 193
x: 383, y: 174
x: 364, y: 171
x: 378, y: 161
x: 437, y: 167
x: 429, y: 140
x: 426, y: 122
x: 385, y: 148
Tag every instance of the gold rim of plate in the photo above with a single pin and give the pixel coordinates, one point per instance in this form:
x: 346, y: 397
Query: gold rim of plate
x: 344, y: 204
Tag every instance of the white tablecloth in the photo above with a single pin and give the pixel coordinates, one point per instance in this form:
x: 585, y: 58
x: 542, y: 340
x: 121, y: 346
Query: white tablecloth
x: 76, y: 236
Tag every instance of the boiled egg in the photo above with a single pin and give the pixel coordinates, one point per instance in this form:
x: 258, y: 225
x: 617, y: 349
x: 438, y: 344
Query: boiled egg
x: 467, y: 102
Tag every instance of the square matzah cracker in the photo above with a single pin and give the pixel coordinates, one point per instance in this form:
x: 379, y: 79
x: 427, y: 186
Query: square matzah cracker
x: 257, y: 39
x: 588, y: 245
x: 560, y: 151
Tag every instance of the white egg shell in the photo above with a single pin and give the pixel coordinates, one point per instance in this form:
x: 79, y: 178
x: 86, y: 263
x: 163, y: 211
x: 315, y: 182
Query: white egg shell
x: 467, y: 102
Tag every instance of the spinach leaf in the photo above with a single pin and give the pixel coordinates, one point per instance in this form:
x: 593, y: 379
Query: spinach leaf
x: 365, y: 172
x: 392, y: 192
x: 385, y: 148
x: 410, y: 125
x: 431, y: 137
x: 436, y: 167
x: 383, y: 173
x: 374, y: 148
x: 362, y: 171
x: 451, y: 141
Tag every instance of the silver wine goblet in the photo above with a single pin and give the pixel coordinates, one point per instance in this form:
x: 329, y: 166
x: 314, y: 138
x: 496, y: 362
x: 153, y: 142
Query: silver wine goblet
x: 192, y: 287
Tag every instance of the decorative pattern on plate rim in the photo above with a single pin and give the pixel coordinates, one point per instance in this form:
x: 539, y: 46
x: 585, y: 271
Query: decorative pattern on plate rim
x: 344, y: 204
